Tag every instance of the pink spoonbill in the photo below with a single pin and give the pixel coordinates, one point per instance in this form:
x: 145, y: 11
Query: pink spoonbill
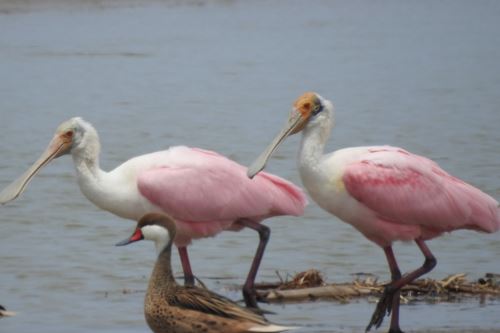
x: 203, y: 191
x: 386, y: 193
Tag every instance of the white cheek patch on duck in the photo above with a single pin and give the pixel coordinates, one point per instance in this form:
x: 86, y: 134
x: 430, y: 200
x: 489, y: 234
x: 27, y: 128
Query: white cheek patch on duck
x: 157, y: 234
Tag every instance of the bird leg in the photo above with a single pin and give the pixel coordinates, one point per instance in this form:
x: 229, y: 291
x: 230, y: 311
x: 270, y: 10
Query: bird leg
x: 389, y: 301
x: 394, y: 306
x: 249, y: 293
x: 186, y: 266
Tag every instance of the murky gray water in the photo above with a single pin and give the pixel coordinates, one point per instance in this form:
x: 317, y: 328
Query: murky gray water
x: 424, y: 76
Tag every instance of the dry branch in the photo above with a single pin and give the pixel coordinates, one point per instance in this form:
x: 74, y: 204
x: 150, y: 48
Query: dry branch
x: 310, y: 285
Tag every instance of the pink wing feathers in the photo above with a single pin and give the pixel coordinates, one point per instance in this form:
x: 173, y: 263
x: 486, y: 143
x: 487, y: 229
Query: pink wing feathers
x: 215, y: 188
x: 404, y: 188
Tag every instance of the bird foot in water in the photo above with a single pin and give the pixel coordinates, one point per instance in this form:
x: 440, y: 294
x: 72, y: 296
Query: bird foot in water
x: 395, y: 330
x: 250, y: 297
x: 384, y: 307
x: 189, y: 280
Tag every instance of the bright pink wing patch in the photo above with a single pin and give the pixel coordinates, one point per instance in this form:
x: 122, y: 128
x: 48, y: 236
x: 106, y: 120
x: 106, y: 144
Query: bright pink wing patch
x: 409, y: 189
x: 217, y: 189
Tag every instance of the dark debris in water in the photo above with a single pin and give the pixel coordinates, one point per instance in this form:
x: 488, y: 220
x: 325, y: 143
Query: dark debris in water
x: 310, y: 285
x: 308, y: 279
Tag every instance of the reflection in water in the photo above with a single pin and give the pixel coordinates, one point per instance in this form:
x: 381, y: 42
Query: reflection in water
x: 222, y: 76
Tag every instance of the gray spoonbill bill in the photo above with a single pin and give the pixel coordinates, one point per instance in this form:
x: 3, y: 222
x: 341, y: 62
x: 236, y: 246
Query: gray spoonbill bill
x: 169, y: 307
x: 386, y: 193
x: 203, y: 191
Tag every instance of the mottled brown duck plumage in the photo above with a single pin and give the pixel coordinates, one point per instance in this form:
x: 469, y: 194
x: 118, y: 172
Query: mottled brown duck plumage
x: 172, y: 308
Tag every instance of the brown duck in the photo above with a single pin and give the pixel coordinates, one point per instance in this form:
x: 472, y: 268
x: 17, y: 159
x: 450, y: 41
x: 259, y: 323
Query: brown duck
x: 169, y: 307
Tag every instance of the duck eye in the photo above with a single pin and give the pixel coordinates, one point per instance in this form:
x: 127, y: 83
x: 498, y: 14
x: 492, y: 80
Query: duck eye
x: 68, y: 134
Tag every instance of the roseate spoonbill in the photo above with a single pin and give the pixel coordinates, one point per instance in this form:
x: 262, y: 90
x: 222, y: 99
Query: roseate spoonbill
x: 169, y: 307
x: 205, y: 192
x: 5, y: 313
x: 387, y: 193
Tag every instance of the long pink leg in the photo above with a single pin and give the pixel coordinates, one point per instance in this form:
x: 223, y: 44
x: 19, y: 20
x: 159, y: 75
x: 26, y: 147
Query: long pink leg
x: 390, y: 298
x: 186, y: 266
x: 249, y: 293
x: 394, y: 305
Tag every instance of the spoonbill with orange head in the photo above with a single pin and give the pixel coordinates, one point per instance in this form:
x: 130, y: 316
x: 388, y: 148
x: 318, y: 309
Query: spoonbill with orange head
x: 386, y: 193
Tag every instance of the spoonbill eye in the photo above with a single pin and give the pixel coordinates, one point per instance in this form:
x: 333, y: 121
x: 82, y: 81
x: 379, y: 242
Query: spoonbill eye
x: 318, y: 108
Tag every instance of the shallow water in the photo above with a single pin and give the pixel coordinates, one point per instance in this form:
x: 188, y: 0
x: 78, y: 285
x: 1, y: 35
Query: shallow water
x: 222, y: 75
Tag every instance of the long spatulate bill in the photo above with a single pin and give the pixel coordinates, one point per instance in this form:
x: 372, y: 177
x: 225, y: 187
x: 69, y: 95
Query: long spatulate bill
x: 57, y: 147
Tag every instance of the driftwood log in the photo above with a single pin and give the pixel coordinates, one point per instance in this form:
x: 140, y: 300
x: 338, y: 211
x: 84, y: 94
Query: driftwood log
x: 310, y: 285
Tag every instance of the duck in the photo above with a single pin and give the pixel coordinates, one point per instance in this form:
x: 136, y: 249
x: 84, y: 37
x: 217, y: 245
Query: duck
x: 170, y: 307
x: 5, y: 313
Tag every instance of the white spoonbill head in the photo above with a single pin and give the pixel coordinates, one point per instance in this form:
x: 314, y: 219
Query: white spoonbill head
x: 67, y: 135
x: 307, y: 109
x: 72, y: 129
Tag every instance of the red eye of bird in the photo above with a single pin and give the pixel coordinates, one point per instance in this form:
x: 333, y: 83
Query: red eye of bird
x: 69, y: 134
